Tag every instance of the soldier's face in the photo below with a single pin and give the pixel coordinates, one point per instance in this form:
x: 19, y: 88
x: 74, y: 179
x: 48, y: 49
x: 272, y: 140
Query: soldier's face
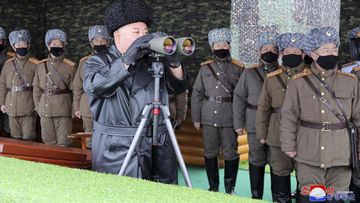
x: 292, y: 50
x: 221, y: 45
x: 127, y: 34
x: 56, y: 43
x: 98, y: 41
x: 21, y: 44
x: 325, y: 50
x: 268, y: 48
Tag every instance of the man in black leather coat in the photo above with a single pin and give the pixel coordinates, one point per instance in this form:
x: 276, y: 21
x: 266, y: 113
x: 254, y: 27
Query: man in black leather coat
x: 119, y: 86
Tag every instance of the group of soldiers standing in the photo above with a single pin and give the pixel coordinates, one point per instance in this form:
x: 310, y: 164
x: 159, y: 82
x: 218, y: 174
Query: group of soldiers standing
x: 51, y: 88
x: 299, y: 114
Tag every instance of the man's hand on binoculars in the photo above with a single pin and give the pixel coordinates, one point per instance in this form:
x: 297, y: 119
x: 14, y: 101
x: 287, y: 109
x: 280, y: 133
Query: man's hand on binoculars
x: 137, y: 49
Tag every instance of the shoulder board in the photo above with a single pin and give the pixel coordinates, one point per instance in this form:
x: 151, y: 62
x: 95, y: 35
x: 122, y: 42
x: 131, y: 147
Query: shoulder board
x: 253, y: 66
x: 34, y: 60
x: 305, y: 72
x: 237, y: 63
x: 11, y: 59
x: 70, y: 63
x: 10, y: 53
x: 207, y: 62
x: 42, y: 61
x: 84, y: 58
x: 349, y: 64
x: 356, y: 69
x: 347, y: 74
x: 274, y: 73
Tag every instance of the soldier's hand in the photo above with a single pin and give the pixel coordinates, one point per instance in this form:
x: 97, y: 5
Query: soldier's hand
x: 3, y: 108
x: 77, y: 114
x: 291, y: 154
x: 263, y: 141
x: 197, y: 125
x: 240, y: 131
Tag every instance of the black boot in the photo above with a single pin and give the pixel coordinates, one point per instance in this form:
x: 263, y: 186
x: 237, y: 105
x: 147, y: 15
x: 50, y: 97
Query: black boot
x: 231, y: 169
x: 356, y: 190
x: 283, y: 190
x: 273, y: 185
x: 256, y: 181
x: 212, y: 172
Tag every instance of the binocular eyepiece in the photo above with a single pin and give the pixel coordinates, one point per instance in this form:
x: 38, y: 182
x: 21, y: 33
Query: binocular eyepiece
x: 168, y: 45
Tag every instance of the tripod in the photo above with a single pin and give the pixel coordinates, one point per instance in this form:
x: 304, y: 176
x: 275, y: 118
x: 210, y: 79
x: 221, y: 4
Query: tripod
x: 155, y: 108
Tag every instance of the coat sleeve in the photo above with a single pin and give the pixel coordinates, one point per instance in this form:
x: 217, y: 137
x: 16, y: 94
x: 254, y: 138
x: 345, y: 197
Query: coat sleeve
x: 77, y: 88
x: 102, y: 80
x: 3, y: 90
x: 181, y: 105
x: 290, y: 114
x: 177, y: 85
x: 197, y: 97
x: 240, y: 100
x: 36, y: 88
x: 263, y: 112
x: 355, y: 111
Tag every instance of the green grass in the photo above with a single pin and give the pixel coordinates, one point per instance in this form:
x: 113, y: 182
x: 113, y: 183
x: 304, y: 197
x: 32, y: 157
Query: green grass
x: 23, y: 181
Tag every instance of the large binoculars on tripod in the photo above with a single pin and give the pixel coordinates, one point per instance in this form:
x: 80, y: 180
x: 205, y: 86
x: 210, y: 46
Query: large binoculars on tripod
x: 168, y: 45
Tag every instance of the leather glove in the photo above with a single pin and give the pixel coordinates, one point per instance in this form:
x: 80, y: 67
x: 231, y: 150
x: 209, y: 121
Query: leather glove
x: 137, y: 49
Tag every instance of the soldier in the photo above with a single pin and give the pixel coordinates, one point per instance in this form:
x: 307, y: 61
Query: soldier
x: 16, y: 86
x: 52, y: 91
x: 271, y: 98
x: 4, y: 118
x: 211, y: 107
x: 178, y: 105
x: 354, y: 67
x: 320, y: 103
x: 246, y: 95
x: 98, y: 38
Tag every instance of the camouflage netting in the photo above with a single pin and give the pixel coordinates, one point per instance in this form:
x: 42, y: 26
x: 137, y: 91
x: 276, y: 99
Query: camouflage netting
x: 180, y: 18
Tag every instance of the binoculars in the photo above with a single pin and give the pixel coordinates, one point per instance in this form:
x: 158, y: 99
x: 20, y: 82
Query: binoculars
x: 168, y: 45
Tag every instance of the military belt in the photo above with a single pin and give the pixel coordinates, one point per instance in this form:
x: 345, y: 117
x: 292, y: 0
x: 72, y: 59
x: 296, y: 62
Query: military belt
x: 325, y: 126
x: 50, y: 92
x: 251, y: 106
x: 275, y: 110
x: 20, y: 89
x: 218, y: 99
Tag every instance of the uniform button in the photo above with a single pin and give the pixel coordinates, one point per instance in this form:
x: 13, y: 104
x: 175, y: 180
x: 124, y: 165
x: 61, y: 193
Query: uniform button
x: 46, y: 115
x: 215, y: 112
x: 51, y: 63
x: 10, y: 104
x: 322, y: 111
x: 46, y: 105
x: 322, y: 93
x: 322, y: 166
x: 217, y: 87
x: 289, y: 78
x: 314, y: 97
x: 215, y: 124
x: 12, y: 81
x: 322, y: 79
x: 322, y: 147
x: 322, y: 72
x: 217, y: 73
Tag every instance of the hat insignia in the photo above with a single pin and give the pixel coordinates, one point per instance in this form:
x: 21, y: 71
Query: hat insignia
x: 328, y: 33
x: 293, y: 39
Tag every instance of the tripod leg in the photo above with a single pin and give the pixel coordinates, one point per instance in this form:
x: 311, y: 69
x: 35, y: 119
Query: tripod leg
x: 175, y: 144
x: 135, y: 141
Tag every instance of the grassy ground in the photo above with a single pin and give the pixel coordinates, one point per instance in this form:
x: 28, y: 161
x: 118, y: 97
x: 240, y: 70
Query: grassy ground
x: 22, y: 181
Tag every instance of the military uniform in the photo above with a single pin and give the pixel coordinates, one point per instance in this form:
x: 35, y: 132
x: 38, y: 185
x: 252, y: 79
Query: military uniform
x: 4, y: 118
x: 16, y: 94
x: 80, y: 99
x: 178, y: 105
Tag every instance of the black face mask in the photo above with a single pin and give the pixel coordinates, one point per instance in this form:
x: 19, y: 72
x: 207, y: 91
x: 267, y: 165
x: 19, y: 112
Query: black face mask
x: 2, y: 47
x: 292, y: 60
x: 100, y: 48
x: 327, y: 62
x: 22, y: 51
x: 221, y: 53
x: 269, y: 57
x: 57, y: 51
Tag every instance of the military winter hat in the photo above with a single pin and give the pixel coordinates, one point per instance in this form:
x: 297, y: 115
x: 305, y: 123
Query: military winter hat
x: 123, y: 12
x: 2, y: 33
x: 18, y: 36
x: 295, y: 40
x: 54, y: 34
x: 265, y: 38
x: 320, y: 36
x: 354, y: 33
x: 98, y: 31
x: 219, y: 35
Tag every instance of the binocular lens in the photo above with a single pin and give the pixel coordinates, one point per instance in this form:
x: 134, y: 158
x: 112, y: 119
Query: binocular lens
x: 169, y: 45
x: 187, y: 46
